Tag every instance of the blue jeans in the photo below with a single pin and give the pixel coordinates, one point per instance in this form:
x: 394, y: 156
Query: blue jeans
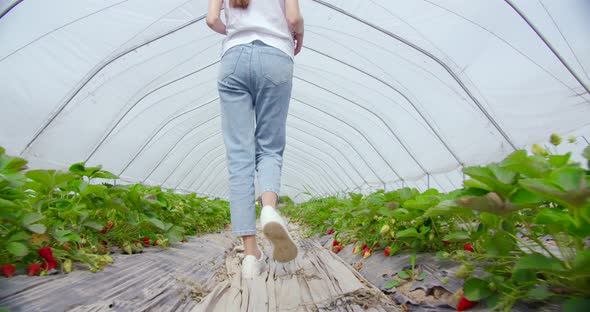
x: 254, y: 85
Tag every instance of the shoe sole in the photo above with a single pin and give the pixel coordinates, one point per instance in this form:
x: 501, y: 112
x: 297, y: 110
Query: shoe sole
x: 284, y: 249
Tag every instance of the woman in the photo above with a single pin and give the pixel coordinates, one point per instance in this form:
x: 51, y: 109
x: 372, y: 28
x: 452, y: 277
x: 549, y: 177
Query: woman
x: 254, y: 84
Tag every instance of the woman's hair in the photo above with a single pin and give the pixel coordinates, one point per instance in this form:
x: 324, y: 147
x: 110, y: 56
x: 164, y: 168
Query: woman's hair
x: 239, y: 3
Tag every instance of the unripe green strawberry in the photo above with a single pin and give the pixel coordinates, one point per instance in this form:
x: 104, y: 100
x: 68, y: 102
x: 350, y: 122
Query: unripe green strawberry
x: 356, y: 249
x: 107, y: 258
x: 572, y: 139
x: 127, y: 248
x: 492, y: 286
x: 539, y: 151
x: 67, y: 265
x: 555, y: 139
x: 384, y: 229
x: 463, y: 272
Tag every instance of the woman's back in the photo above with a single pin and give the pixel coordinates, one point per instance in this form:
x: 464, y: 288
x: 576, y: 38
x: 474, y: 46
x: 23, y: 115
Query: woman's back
x: 262, y: 20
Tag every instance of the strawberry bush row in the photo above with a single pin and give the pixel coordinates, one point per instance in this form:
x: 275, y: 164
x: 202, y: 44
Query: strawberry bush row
x: 50, y: 218
x: 497, y: 226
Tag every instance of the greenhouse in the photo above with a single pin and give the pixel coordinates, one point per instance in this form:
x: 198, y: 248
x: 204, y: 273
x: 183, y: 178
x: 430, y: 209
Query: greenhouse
x: 437, y: 159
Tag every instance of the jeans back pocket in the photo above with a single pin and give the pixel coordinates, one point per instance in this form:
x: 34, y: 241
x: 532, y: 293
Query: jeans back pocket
x: 276, y: 67
x: 229, y: 63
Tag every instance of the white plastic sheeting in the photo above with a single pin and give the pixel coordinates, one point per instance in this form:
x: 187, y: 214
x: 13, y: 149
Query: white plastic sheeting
x: 386, y: 93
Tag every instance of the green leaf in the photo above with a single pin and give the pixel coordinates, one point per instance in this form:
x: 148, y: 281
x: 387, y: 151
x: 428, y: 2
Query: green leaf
x: 21, y: 235
x: 157, y: 223
x: 422, y: 276
x: 78, y: 168
x: 407, y: 233
x: 568, y: 178
x: 93, y: 224
x: 403, y: 275
x: 576, y: 305
x: 525, y: 197
x: 500, y: 244
x: 173, y: 237
x: 40, y: 176
x: 32, y: 217
x: 36, y: 228
x: 499, y: 179
x: 5, y: 204
x: 476, y: 289
x: 476, y: 184
x: 530, y: 166
x: 392, y: 283
x: 559, y: 160
x: 524, y: 276
x: 104, y: 175
x: 555, y: 217
x: 16, y: 164
x: 457, y: 236
x: 538, y: 262
x: 17, y: 248
x: 582, y: 261
x: 539, y: 293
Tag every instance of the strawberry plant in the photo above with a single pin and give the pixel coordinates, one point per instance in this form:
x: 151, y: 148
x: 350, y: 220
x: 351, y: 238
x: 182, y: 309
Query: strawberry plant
x: 54, y: 217
x: 519, y: 227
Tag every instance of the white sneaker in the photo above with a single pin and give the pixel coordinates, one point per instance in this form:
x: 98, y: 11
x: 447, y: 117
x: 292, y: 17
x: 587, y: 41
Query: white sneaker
x: 275, y: 229
x: 252, y: 267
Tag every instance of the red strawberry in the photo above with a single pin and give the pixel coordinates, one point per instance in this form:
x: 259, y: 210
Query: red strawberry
x: 330, y: 231
x: 155, y: 242
x: 468, y: 247
x: 464, y: 304
x: 335, y: 243
x: 146, y: 241
x: 447, y: 243
x: 8, y: 269
x: 103, y: 242
x: 376, y: 245
x: 33, y: 269
x: 387, y: 251
x: 45, y: 253
x: 66, y: 246
x: 364, y: 246
x: 104, y: 230
x: 110, y: 225
x: 49, y: 265
x: 337, y: 249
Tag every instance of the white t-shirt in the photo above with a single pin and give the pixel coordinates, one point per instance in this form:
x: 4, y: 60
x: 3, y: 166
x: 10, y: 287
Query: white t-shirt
x: 263, y: 20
